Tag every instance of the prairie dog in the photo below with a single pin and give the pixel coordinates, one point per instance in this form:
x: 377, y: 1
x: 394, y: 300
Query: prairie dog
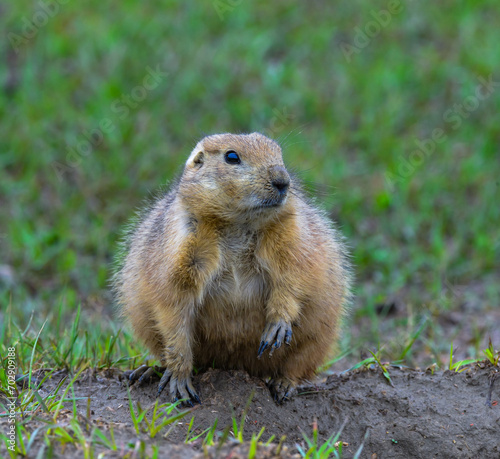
x: 230, y: 264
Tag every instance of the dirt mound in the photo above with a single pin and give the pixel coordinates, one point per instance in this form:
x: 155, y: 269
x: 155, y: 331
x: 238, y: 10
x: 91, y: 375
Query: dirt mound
x: 446, y: 414
x: 423, y: 415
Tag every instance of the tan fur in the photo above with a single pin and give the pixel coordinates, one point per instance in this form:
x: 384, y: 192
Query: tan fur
x: 209, y: 267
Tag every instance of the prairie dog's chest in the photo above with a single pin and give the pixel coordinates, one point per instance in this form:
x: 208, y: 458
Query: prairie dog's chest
x: 240, y: 278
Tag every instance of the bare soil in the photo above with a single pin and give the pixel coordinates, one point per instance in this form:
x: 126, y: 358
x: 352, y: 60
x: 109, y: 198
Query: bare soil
x: 423, y: 415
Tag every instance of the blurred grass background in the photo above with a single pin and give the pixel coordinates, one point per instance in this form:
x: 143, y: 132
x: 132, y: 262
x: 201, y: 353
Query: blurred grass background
x: 424, y: 245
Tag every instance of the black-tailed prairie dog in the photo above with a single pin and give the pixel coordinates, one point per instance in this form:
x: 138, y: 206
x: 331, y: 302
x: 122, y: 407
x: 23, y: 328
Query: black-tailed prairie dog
x: 234, y: 268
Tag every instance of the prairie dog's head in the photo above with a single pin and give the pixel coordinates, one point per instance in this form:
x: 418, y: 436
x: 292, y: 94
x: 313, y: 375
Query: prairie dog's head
x: 230, y: 176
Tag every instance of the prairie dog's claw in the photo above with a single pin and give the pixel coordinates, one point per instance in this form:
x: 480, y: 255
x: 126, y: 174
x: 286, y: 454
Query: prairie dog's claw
x: 179, y: 388
x: 275, y: 332
x: 144, y: 373
x: 281, y: 389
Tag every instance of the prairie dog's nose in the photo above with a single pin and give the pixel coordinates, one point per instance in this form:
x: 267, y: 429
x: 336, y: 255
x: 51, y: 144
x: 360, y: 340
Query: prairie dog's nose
x: 279, y: 178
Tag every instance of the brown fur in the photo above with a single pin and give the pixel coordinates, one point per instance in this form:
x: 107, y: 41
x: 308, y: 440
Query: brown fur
x: 209, y: 267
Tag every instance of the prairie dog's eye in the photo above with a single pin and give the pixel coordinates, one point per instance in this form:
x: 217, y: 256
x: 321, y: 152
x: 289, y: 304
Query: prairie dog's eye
x: 232, y: 157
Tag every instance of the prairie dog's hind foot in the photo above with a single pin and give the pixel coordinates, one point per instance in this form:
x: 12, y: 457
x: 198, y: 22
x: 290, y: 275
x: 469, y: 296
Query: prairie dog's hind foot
x: 180, y: 388
x: 281, y: 389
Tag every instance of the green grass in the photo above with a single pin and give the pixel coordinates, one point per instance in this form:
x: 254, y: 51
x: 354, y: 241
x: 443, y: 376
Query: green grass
x: 345, y: 125
x: 419, y: 225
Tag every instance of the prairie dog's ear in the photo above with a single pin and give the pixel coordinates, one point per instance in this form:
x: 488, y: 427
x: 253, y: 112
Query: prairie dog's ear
x: 196, y: 158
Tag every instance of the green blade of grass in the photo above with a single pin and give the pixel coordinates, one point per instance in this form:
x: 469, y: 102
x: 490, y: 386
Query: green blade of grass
x: 415, y: 336
x: 33, y: 353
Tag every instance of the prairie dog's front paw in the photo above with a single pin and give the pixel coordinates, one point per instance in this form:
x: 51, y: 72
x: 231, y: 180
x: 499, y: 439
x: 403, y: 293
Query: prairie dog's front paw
x: 274, y: 335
